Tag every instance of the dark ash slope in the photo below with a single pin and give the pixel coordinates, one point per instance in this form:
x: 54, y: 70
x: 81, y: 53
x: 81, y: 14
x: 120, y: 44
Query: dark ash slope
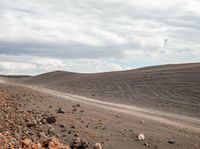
x: 171, y: 88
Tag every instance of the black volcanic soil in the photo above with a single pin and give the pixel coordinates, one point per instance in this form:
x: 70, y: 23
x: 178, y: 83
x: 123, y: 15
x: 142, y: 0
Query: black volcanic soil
x: 170, y: 88
x: 113, y: 130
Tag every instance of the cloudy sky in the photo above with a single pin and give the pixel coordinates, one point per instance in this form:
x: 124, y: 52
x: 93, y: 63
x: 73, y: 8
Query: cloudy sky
x: 37, y: 36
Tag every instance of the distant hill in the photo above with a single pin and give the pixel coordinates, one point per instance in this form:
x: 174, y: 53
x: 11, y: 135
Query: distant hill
x: 173, y: 88
x: 15, y: 76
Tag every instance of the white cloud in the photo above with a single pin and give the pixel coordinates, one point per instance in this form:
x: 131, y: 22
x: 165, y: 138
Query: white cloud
x: 16, y: 65
x: 36, y: 65
x: 13, y: 68
x: 47, y: 63
x: 61, y: 34
x: 92, y: 65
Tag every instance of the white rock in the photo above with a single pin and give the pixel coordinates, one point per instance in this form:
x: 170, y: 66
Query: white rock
x: 141, y: 137
x: 141, y: 122
x: 97, y: 146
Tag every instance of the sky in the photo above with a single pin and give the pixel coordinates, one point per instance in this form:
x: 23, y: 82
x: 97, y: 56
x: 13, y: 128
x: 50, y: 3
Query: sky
x: 38, y: 36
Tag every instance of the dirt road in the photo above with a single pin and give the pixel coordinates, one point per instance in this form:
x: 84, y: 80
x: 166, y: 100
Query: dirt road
x: 193, y: 124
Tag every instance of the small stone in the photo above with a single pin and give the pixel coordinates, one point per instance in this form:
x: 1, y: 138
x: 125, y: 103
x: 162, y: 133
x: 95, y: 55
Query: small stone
x: 74, y: 109
x: 97, y: 146
x: 26, y: 143
x: 78, y: 105
x: 141, y: 122
x: 76, y: 134
x: 146, y: 144
x: 75, y: 143
x: 60, y: 110
x: 73, y: 127
x: 117, y: 116
x: 84, y: 143
x: 55, y: 144
x: 51, y: 131
x: 171, y: 142
x: 44, y: 121
x: 43, y: 138
x: 51, y: 119
x: 141, y: 137
x: 39, y: 146
x: 62, y: 126
x: 31, y: 124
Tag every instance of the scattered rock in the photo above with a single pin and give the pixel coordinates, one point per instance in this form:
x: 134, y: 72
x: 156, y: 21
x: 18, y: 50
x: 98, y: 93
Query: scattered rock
x: 73, y: 127
x: 44, y: 121
x: 55, y: 144
x: 60, y: 110
x: 78, y: 143
x: 103, y: 128
x: 31, y: 124
x: 78, y: 105
x: 141, y: 137
x: 51, y: 119
x: 75, y: 143
x: 97, y: 146
x: 117, y: 116
x: 74, y: 109
x: 76, y: 134
x: 141, y: 122
x: 84, y: 143
x: 171, y: 141
x: 26, y: 144
x: 62, y: 126
x: 146, y: 144
x: 43, y: 138
x: 51, y: 130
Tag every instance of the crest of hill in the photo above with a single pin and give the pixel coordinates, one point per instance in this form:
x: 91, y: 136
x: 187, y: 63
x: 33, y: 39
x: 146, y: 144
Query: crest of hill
x: 62, y: 76
x: 51, y: 77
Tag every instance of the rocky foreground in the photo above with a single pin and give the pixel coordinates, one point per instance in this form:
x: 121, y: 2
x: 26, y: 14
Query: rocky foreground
x: 32, y: 129
x: 32, y: 119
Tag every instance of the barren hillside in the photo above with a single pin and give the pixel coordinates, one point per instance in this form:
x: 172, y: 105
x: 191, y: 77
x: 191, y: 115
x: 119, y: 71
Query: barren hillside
x: 171, y: 88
